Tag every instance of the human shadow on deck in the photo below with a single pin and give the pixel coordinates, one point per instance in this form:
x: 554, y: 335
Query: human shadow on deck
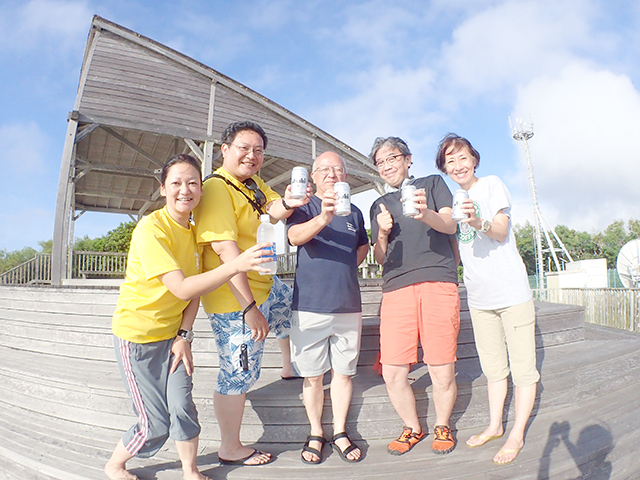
x: 589, y: 453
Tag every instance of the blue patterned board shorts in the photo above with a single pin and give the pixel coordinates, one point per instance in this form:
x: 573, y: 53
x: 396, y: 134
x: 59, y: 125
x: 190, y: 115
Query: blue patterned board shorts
x: 227, y: 329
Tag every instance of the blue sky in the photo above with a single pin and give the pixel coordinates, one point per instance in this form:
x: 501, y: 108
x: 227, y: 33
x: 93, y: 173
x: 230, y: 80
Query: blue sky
x: 361, y: 69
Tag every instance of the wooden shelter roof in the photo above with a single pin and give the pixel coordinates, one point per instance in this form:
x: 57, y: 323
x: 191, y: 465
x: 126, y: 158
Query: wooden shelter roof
x: 140, y: 102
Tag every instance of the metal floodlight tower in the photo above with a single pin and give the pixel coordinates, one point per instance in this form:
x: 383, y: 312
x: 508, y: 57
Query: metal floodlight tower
x: 524, y: 132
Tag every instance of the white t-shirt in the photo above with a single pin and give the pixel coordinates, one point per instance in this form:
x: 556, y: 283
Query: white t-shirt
x: 494, y: 273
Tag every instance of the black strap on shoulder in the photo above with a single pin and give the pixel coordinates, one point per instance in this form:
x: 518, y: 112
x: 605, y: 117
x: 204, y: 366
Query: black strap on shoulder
x: 251, y: 201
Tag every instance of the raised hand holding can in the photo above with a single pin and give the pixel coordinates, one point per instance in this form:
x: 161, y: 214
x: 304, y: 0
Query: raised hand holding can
x: 459, y: 196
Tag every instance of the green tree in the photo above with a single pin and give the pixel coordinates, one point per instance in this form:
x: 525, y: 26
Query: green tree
x: 609, y: 242
x: 525, y: 240
x: 9, y: 260
x: 46, y: 246
x: 579, y: 244
x: 634, y: 229
x: 86, y: 244
x: 116, y: 240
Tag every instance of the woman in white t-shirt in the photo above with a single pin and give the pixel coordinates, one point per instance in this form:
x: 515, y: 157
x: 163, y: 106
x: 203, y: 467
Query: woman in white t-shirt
x: 499, y: 297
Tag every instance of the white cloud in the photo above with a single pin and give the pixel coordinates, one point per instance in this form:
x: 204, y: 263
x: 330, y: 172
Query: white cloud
x: 45, y: 23
x: 389, y: 101
x: 378, y: 29
x: 508, y: 44
x: 585, y: 160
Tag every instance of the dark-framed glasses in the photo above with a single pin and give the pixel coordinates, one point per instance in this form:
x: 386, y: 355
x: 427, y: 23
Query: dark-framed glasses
x: 258, y: 194
x: 390, y: 160
x: 258, y: 151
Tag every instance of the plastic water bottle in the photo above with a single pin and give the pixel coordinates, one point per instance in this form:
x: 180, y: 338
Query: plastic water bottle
x: 266, y: 233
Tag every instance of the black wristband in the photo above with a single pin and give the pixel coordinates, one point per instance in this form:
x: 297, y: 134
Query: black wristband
x: 284, y: 204
x: 249, y: 307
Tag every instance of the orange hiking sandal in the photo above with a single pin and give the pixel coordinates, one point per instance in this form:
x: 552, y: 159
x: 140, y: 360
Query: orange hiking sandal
x: 443, y: 440
x: 405, y: 441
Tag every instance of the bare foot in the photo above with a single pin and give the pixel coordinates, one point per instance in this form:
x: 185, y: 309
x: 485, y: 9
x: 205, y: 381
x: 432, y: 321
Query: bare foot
x: 310, y: 456
x: 486, y: 436
x: 259, y: 458
x: 195, y: 476
x: 118, y: 472
x: 343, y: 443
x: 509, y: 451
x: 251, y: 456
x: 288, y: 372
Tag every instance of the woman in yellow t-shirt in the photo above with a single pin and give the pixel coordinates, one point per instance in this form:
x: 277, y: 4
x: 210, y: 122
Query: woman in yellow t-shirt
x: 152, y: 324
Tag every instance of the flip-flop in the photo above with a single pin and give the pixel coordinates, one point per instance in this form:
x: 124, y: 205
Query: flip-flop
x: 242, y: 461
x: 504, y: 451
x: 484, y: 438
x: 315, y: 451
x: 343, y: 453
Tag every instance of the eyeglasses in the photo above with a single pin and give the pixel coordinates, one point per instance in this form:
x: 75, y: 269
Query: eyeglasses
x: 390, y: 160
x: 258, y: 151
x: 259, y: 195
x: 338, y: 170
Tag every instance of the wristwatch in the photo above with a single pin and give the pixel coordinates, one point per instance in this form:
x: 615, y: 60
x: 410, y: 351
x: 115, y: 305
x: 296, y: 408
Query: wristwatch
x: 186, y: 334
x: 284, y: 204
x: 486, y: 225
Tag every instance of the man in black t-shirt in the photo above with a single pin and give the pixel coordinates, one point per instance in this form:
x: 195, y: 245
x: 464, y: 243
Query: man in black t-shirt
x: 420, y: 293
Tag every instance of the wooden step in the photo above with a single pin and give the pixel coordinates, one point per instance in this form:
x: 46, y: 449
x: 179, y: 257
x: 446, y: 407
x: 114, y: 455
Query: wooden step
x: 613, y: 416
x: 58, y: 376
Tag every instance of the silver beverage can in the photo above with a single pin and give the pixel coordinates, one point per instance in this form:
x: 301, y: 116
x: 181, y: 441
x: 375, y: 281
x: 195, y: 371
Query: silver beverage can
x: 459, y: 196
x: 408, y: 207
x: 299, y: 180
x: 343, y: 206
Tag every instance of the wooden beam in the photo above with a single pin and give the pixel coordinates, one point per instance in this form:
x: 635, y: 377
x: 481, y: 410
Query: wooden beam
x: 112, y: 194
x: 280, y: 178
x: 116, y: 169
x: 63, y: 208
x: 132, y: 145
x: 123, y: 211
x: 86, y: 131
x: 197, y: 151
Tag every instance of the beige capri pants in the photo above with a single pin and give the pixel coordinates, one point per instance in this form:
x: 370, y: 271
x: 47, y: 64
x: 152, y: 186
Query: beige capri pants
x: 505, y: 340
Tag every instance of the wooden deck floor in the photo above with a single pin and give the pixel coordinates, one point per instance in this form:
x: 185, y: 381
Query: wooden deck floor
x: 64, y: 407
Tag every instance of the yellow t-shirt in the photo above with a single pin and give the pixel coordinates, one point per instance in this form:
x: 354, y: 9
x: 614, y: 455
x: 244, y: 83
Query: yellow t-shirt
x: 147, y: 311
x: 225, y: 214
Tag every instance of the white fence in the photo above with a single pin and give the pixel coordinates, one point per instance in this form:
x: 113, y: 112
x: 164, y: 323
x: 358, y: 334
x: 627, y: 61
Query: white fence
x: 609, y: 307
x: 369, y: 268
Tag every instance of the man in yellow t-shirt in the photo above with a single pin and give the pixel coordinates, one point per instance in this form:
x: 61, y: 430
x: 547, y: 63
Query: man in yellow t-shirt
x: 227, y: 220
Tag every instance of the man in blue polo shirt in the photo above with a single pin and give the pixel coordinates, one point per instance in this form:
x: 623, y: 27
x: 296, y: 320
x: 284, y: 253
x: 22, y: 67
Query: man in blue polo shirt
x: 327, y: 315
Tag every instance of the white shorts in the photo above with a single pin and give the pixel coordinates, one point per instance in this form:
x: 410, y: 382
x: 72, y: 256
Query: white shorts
x: 322, y: 341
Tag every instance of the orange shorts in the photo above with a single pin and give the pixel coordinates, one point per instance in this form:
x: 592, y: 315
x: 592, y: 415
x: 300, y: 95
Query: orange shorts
x: 429, y: 311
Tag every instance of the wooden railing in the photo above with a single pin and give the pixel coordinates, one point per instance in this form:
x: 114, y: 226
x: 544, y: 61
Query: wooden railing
x: 99, y: 264
x: 114, y: 265
x: 34, y: 271
x: 369, y: 268
x: 609, y: 307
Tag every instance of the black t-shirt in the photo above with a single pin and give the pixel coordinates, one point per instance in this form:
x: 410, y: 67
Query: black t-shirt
x: 416, y: 253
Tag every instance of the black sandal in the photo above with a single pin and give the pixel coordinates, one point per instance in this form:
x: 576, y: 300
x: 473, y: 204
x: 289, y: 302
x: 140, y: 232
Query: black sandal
x: 307, y: 448
x: 343, y: 453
